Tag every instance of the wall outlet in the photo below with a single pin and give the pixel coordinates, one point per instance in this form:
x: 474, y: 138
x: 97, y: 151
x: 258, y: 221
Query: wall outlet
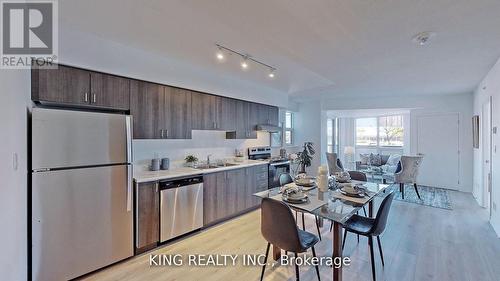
x: 15, y: 162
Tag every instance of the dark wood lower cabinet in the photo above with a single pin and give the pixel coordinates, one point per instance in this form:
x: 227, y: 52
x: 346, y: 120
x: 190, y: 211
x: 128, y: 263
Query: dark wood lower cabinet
x: 229, y: 193
x: 148, y: 216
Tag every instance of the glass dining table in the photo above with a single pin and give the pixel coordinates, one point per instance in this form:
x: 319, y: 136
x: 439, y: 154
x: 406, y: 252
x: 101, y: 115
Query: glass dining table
x: 335, y: 208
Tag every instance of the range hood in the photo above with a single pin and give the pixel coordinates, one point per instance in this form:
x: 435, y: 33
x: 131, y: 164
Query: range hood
x: 268, y: 128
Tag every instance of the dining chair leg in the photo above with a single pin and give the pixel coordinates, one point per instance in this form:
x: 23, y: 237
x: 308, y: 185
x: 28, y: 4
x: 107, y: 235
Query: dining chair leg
x: 364, y: 210
x: 370, y: 242
x: 358, y: 237
x: 317, y: 227
x: 265, y: 261
x: 316, y: 266
x: 416, y: 190
x: 380, y: 250
x: 296, y: 214
x: 331, y: 226
x: 402, y: 188
x: 296, y: 268
x: 343, y: 241
x: 303, y: 222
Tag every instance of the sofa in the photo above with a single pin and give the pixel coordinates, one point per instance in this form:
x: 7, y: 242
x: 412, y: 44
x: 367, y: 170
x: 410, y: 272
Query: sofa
x: 387, y: 163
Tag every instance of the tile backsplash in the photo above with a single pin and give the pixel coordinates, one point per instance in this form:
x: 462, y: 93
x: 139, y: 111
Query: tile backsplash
x: 202, y: 144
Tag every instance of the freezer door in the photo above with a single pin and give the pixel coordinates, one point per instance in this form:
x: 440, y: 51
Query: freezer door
x: 81, y: 221
x: 64, y: 138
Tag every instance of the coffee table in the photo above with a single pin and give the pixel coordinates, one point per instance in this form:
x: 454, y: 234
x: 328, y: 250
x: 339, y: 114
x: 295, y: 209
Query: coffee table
x: 376, y: 175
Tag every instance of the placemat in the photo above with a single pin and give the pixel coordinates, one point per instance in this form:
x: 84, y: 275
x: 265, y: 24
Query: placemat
x: 361, y: 201
x: 304, y: 188
x: 310, y: 206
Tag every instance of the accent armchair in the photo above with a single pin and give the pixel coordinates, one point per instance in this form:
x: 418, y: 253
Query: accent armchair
x: 408, y: 173
x: 334, y: 163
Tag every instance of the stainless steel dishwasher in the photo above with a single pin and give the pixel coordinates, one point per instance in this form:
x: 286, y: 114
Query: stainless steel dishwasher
x: 181, y: 206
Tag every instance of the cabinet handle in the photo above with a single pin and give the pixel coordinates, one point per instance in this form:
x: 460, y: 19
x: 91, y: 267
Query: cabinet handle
x: 215, y: 125
x: 166, y: 133
x: 156, y: 187
x: 93, y: 98
x: 161, y: 133
x: 86, y: 97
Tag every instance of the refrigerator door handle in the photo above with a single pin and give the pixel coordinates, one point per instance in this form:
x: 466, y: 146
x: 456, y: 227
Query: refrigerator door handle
x: 129, y: 188
x: 128, y: 128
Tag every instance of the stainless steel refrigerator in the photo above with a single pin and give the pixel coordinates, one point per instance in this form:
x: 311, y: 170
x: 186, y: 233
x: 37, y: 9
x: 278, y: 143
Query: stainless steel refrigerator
x: 81, y: 192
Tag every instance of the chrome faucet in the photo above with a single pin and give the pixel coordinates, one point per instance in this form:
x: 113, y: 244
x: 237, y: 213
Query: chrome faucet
x: 208, y: 160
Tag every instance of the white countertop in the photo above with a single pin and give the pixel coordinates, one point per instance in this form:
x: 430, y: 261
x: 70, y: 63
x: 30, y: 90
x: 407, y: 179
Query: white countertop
x: 148, y: 176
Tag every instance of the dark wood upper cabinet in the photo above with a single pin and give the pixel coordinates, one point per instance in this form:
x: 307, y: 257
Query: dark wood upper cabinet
x: 268, y: 115
x: 177, y: 113
x: 64, y: 85
x: 158, y: 111
x: 148, y: 216
x: 273, y: 115
x: 147, y: 106
x: 77, y: 87
x: 245, y: 129
x: 109, y: 91
x: 228, y: 120
x: 206, y: 113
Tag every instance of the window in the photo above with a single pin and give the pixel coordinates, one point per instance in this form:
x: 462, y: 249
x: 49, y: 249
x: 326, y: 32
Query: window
x: 288, y: 128
x: 366, y: 131
x: 332, y: 135
x: 390, y: 130
x: 380, y: 131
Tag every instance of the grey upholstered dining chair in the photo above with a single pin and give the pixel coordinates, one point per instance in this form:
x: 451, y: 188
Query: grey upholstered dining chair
x: 357, y: 176
x: 278, y: 228
x: 334, y: 163
x: 370, y: 227
x: 407, y: 173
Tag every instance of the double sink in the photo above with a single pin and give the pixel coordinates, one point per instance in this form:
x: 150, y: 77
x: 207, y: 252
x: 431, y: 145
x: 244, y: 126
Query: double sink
x: 213, y: 166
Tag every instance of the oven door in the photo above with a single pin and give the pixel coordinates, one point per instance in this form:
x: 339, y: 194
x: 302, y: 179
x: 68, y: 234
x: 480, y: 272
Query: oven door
x: 275, y: 170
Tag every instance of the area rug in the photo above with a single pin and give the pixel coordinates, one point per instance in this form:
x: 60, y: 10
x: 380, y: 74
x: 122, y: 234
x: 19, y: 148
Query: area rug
x: 430, y: 196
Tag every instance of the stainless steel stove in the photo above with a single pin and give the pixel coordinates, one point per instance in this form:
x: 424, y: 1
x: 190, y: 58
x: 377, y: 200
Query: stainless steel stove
x: 277, y: 165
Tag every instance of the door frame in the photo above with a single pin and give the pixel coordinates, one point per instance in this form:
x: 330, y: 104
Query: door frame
x: 459, y: 119
x: 486, y: 186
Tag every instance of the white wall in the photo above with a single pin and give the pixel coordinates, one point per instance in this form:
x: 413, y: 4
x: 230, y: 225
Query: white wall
x: 312, y: 111
x: 308, y: 128
x: 14, y: 92
x: 491, y: 85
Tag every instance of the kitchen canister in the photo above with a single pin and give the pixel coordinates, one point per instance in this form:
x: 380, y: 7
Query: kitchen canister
x: 165, y: 163
x: 155, y: 164
x: 322, y: 179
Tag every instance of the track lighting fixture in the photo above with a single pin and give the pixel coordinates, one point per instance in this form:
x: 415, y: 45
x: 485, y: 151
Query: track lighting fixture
x: 244, y: 63
x: 271, y: 73
x: 246, y: 59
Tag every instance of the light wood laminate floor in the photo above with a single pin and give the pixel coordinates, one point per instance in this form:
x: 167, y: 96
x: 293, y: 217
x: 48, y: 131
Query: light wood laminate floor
x: 420, y: 243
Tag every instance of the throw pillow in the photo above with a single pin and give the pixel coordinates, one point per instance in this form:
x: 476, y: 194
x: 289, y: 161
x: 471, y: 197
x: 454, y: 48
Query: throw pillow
x: 393, y: 159
x: 375, y: 159
x: 364, y: 158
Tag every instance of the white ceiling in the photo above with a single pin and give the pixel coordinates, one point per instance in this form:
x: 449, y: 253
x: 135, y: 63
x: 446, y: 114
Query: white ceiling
x: 321, y: 48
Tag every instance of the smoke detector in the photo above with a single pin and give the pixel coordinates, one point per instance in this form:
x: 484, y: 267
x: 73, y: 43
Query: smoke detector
x: 423, y: 38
